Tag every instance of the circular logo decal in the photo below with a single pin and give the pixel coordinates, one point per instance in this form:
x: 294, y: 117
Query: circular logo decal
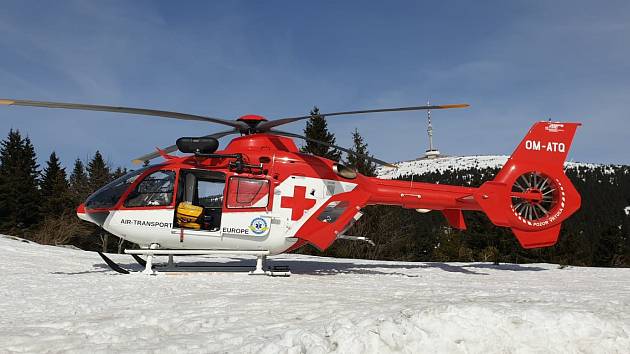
x: 259, y: 226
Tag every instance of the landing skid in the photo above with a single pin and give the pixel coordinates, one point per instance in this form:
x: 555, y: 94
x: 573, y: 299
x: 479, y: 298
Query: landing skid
x: 140, y: 261
x: 171, y: 267
x: 113, y: 265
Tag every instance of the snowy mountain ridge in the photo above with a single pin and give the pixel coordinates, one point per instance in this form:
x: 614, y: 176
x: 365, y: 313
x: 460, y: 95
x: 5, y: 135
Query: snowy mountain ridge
x: 452, y: 163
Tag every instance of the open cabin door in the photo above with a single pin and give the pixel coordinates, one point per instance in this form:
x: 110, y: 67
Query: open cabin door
x: 200, y: 202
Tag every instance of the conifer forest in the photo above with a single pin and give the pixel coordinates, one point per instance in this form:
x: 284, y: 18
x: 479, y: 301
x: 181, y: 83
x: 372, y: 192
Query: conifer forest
x: 38, y: 203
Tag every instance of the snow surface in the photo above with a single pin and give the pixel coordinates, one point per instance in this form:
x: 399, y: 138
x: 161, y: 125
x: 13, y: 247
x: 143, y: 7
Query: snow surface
x: 455, y: 163
x: 57, y: 299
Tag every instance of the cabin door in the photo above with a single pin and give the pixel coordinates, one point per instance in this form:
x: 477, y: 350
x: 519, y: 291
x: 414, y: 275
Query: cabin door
x: 200, y: 201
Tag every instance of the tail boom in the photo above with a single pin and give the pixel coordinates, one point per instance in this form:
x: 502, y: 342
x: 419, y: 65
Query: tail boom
x: 530, y: 194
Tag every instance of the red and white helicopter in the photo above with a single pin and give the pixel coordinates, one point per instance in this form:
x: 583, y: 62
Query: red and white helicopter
x: 261, y: 196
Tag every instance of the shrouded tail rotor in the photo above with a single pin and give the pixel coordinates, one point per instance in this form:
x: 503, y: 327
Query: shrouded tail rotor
x: 531, y: 194
x: 534, y: 196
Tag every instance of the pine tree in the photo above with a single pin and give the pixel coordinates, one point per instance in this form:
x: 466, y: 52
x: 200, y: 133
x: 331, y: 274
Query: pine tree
x: 317, y: 128
x: 19, y: 194
x: 361, y: 164
x: 54, y: 189
x: 49, y: 175
x: 98, y: 172
x: 79, y: 183
x: 119, y: 172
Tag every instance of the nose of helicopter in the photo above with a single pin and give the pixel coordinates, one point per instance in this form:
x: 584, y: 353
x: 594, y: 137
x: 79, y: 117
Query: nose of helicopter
x: 97, y: 218
x: 81, y: 212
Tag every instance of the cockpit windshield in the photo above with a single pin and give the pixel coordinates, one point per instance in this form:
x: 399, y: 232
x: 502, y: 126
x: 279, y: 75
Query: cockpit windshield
x: 108, y: 196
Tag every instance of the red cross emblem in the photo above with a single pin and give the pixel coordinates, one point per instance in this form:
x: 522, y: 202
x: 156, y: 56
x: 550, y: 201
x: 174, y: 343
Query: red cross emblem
x: 298, y: 203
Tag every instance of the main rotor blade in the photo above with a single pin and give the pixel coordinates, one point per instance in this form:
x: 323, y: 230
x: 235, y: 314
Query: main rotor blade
x: 369, y: 158
x: 127, y: 110
x: 148, y: 157
x: 276, y: 122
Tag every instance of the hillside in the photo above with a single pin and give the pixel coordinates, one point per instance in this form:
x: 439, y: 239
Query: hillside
x: 64, y: 300
x: 452, y: 163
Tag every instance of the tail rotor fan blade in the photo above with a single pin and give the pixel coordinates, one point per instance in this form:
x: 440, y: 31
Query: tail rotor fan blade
x: 348, y: 151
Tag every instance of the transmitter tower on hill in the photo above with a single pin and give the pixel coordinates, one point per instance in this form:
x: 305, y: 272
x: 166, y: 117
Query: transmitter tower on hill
x: 432, y: 152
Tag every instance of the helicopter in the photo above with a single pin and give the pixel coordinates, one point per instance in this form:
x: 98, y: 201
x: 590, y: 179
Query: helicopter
x: 261, y: 196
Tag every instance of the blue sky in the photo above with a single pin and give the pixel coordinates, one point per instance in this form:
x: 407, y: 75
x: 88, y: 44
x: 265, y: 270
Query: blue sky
x: 515, y: 62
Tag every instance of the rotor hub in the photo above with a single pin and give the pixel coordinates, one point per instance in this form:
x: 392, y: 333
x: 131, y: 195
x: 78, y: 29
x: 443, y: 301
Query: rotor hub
x: 252, y: 121
x: 252, y: 118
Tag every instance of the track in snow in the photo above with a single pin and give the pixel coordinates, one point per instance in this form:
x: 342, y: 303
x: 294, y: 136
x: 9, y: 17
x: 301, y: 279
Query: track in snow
x: 62, y: 300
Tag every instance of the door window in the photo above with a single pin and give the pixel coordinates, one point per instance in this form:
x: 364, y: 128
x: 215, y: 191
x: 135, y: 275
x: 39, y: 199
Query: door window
x: 247, y: 193
x: 210, y: 193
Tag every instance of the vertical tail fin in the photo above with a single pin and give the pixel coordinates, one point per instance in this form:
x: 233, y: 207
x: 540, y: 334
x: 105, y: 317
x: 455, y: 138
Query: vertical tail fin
x: 531, y: 194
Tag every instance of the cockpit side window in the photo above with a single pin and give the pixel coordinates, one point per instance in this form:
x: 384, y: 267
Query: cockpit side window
x: 155, y: 189
x: 108, y: 195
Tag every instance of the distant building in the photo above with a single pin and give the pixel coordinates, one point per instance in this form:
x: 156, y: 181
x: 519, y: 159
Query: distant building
x: 432, y: 152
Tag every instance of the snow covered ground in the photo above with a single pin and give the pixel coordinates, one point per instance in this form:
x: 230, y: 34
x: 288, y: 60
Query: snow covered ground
x: 56, y: 299
x: 455, y: 163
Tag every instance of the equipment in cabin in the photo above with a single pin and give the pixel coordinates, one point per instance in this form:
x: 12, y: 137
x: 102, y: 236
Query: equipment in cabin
x: 188, y: 215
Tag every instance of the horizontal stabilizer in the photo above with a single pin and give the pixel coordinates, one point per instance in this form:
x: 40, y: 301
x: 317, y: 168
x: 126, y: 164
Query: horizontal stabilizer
x: 535, y: 239
x: 455, y: 218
